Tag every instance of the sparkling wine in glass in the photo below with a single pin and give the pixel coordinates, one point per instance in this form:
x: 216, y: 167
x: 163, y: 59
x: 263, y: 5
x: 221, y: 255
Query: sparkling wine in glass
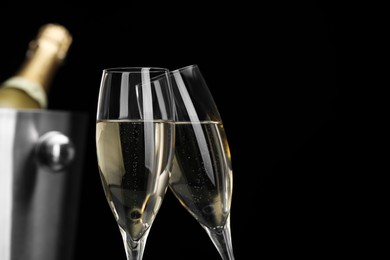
x: 134, y: 140
x: 202, y: 173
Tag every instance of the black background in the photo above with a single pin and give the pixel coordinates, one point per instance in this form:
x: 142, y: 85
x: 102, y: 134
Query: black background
x: 273, y: 71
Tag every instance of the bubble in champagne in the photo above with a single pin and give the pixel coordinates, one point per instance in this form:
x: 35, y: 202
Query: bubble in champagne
x: 135, y: 214
x: 209, y: 209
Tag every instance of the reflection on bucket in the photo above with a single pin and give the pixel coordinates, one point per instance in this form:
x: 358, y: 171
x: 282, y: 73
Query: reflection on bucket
x: 41, y: 160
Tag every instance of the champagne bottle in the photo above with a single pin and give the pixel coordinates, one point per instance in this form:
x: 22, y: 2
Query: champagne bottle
x: 28, y: 88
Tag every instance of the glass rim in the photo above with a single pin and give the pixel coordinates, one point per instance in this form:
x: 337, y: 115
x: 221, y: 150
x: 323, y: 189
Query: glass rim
x: 134, y: 69
x: 185, y: 68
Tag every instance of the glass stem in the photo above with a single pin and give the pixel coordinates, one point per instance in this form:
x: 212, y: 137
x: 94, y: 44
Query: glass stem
x: 134, y: 248
x: 222, y: 240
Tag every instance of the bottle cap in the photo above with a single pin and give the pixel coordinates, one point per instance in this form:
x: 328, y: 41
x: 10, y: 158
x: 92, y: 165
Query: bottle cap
x: 55, y: 35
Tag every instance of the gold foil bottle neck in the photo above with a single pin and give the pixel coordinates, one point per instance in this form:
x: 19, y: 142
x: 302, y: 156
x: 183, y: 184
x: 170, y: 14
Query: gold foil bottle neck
x: 53, y: 36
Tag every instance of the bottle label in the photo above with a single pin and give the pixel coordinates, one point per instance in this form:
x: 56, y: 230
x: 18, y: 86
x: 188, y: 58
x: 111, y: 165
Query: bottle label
x: 34, y: 90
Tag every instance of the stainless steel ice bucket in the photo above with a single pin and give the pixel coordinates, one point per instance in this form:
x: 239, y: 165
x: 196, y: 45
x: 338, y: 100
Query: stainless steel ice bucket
x: 41, y: 160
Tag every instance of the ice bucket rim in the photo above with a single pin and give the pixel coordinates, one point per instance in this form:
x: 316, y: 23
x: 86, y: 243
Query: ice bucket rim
x: 44, y: 111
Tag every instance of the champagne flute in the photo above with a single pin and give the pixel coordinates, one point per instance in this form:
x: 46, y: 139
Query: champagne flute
x: 134, y: 140
x: 202, y: 175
